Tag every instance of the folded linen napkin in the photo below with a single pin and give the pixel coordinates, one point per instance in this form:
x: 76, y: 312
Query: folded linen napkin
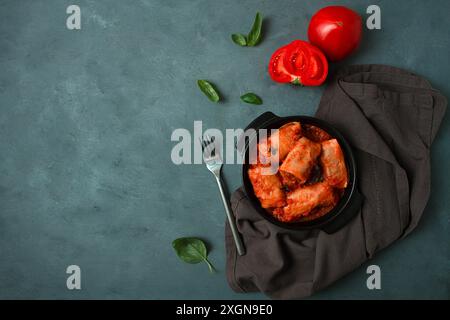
x: 390, y: 117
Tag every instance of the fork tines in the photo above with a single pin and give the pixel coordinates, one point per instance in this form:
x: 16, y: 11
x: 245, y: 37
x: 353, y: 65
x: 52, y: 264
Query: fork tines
x: 208, y: 145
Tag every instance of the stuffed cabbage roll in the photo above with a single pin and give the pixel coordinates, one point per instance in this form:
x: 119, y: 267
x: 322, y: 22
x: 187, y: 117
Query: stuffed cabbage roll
x: 302, y: 201
x: 267, y: 188
x: 264, y: 154
x: 332, y: 160
x: 289, y: 181
x: 300, y: 161
x: 283, y: 140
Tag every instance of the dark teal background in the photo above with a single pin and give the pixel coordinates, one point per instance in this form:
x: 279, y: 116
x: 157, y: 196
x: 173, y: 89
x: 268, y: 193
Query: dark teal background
x: 85, y: 123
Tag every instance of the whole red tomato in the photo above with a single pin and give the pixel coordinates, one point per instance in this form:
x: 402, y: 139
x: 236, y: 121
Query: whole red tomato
x: 336, y: 30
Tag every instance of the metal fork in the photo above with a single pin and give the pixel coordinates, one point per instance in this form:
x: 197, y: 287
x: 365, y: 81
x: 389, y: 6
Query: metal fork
x: 213, y: 161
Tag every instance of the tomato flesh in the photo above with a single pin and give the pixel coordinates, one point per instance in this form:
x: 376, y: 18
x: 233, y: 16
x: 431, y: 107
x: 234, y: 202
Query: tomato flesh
x: 277, y: 69
x: 299, y: 63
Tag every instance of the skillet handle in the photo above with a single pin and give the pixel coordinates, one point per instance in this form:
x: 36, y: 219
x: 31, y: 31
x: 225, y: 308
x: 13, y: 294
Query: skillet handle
x: 261, y: 120
x: 341, y: 220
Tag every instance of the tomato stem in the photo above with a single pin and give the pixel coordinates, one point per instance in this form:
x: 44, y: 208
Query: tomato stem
x: 296, y: 82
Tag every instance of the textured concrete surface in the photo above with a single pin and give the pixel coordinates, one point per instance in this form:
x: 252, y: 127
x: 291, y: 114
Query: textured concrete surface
x: 85, y: 124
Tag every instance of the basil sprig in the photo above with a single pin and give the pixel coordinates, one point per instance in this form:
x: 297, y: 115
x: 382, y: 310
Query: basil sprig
x: 209, y: 90
x: 253, y: 37
x: 251, y: 98
x: 192, y: 250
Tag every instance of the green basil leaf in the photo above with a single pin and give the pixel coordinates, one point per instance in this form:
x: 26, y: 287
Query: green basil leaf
x: 251, y: 98
x: 209, y: 90
x: 254, y: 36
x: 192, y: 250
x: 239, y: 39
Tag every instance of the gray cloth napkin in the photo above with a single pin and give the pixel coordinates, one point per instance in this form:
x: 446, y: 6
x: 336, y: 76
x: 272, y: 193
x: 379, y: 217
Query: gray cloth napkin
x: 390, y: 117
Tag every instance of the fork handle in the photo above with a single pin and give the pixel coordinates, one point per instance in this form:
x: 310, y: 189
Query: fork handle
x: 237, y: 239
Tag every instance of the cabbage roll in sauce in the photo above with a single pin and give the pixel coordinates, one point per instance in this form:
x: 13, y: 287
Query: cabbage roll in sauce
x: 332, y: 160
x: 312, y: 173
x: 264, y: 153
x: 282, y: 141
x: 302, y: 201
x: 300, y: 161
x: 267, y: 188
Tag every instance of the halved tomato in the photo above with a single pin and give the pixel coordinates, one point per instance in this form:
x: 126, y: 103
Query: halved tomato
x: 277, y: 70
x: 307, y: 63
x: 298, y: 63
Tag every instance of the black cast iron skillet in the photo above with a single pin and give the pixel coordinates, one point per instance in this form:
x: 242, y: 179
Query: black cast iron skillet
x: 350, y: 202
